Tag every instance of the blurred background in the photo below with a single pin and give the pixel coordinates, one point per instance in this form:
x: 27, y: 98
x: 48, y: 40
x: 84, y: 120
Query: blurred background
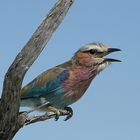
x: 110, y: 108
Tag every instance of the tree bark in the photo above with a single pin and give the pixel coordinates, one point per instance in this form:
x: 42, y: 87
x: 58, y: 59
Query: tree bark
x: 10, y: 120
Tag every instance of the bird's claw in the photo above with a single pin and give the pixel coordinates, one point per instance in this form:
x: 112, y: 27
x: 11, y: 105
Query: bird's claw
x: 57, y: 114
x: 70, y: 113
x: 60, y: 112
x: 67, y: 111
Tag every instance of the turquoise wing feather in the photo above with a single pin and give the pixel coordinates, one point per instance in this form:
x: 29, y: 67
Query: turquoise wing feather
x: 48, y: 84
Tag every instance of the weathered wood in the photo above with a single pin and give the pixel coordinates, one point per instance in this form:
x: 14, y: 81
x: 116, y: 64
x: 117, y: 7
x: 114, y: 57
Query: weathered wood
x: 10, y: 121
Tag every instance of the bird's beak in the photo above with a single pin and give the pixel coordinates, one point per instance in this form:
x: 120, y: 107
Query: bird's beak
x: 111, y: 50
x: 111, y: 60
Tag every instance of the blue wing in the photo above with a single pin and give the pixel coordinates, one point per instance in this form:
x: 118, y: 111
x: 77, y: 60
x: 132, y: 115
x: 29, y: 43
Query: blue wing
x: 48, y: 84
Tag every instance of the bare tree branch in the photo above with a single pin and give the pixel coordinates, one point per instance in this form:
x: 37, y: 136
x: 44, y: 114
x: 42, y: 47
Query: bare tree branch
x: 10, y: 120
x: 34, y: 119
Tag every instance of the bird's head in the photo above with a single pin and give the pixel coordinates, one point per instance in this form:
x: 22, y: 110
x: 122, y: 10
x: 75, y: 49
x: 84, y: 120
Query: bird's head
x: 94, y: 55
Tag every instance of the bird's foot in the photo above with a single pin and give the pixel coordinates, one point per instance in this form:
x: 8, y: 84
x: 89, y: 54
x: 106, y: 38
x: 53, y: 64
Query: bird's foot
x: 56, y: 111
x: 70, y: 113
x: 61, y: 112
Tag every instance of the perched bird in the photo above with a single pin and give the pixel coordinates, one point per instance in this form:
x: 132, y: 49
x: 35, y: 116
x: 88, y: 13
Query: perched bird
x: 57, y: 88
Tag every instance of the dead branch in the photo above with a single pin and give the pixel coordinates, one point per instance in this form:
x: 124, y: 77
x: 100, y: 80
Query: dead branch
x: 10, y: 120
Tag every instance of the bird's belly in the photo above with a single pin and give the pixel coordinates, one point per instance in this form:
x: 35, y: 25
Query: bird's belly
x: 75, y: 92
x: 62, y: 97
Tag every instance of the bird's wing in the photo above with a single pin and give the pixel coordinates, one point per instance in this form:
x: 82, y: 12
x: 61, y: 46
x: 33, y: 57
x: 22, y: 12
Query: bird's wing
x: 48, y: 82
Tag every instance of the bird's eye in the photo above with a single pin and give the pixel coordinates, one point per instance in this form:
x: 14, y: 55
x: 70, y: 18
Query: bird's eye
x: 93, y: 51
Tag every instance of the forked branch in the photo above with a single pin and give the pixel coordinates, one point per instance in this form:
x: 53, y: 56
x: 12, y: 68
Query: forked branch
x: 10, y: 120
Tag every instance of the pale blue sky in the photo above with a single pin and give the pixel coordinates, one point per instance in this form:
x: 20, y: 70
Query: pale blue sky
x: 110, y: 108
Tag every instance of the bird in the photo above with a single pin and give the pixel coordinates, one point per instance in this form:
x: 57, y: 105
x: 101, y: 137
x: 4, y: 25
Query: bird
x: 57, y: 88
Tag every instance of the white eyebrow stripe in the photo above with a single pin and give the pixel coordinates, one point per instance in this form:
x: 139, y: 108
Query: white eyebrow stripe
x: 89, y: 47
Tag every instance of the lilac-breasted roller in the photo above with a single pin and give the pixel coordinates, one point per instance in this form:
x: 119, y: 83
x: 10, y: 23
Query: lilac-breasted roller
x: 57, y: 88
